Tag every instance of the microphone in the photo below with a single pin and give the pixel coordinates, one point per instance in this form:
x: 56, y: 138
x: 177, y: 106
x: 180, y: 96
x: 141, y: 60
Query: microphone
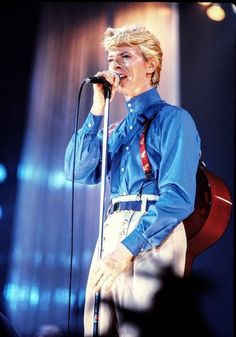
x: 101, y: 80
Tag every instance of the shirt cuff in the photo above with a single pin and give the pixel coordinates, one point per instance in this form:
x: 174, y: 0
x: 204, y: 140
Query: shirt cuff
x: 92, y: 124
x: 136, y: 243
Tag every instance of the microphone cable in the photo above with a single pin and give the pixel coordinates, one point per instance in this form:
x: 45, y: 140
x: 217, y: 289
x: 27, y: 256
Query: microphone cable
x: 72, y: 206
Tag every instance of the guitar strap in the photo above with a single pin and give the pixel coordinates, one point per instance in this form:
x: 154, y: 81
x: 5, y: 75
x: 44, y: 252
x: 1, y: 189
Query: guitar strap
x: 143, y: 152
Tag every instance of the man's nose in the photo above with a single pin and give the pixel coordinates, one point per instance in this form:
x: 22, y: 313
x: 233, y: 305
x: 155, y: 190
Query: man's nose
x: 117, y: 63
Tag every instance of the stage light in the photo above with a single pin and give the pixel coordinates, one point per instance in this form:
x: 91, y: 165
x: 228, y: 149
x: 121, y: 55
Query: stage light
x: 233, y: 6
x: 34, y: 296
x: 56, y: 179
x: 205, y: 3
x: 3, y: 173
x: 215, y: 12
x: 25, y: 171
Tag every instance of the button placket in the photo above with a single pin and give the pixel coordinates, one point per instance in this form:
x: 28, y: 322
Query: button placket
x: 123, y: 161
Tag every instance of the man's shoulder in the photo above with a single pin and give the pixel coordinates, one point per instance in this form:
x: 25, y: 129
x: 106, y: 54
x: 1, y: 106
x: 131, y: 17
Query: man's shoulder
x: 172, y: 111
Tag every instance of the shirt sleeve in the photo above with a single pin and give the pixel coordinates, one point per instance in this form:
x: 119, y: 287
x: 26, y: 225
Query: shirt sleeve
x: 180, y: 153
x: 87, y: 166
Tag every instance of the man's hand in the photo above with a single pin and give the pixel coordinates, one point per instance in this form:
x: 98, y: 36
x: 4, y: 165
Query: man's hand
x: 109, y: 267
x: 98, y: 92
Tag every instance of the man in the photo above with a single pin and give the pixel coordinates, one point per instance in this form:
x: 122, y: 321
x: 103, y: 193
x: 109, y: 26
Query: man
x: 144, y: 229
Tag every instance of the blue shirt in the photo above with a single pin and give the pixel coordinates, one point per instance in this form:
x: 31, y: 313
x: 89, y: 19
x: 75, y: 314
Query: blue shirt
x: 173, y: 147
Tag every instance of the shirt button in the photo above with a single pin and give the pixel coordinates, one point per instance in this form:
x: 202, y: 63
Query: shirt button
x: 131, y: 127
x: 131, y: 110
x: 127, y: 148
x: 129, y: 104
x: 122, y: 169
x: 89, y: 125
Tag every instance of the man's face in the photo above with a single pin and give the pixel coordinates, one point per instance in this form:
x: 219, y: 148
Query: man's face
x: 133, y: 69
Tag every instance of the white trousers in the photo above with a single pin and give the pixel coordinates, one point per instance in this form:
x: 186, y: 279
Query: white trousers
x: 132, y: 289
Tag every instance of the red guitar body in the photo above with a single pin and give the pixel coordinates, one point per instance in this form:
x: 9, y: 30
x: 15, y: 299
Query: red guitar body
x: 211, y: 216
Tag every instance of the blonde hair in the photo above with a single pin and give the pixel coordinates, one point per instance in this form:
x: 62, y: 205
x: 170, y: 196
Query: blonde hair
x: 135, y: 35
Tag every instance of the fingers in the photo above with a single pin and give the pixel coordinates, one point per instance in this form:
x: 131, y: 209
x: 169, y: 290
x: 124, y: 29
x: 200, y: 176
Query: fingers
x: 95, y: 280
x: 112, y: 78
x: 102, y: 277
x: 99, y: 283
x: 105, y: 283
x: 108, y: 283
x: 98, y: 98
x: 109, y: 267
x: 116, y: 80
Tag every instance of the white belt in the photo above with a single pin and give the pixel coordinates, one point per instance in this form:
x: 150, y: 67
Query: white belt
x: 143, y: 199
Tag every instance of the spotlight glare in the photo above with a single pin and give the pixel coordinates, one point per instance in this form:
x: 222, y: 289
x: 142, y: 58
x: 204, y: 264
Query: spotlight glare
x: 216, y: 12
x: 233, y: 8
x: 3, y: 173
x: 205, y: 3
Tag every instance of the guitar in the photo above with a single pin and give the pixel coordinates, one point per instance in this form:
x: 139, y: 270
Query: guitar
x: 211, y: 216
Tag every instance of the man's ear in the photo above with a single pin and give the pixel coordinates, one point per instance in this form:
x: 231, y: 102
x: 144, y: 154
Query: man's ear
x: 151, y: 66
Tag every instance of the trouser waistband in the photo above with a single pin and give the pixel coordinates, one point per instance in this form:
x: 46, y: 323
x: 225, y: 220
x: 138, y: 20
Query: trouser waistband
x: 132, y: 202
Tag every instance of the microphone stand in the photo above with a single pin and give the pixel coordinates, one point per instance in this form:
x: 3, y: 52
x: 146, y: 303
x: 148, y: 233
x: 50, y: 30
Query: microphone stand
x: 107, y: 95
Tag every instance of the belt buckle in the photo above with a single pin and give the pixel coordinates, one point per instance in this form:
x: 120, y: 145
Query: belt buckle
x: 112, y: 208
x: 138, y: 197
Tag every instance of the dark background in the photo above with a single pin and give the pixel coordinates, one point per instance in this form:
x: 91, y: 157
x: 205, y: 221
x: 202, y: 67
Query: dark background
x: 207, y: 90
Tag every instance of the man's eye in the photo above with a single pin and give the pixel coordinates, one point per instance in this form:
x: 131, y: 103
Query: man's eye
x: 126, y: 56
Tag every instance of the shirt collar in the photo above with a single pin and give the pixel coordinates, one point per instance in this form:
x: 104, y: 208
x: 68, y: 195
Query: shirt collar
x: 141, y: 105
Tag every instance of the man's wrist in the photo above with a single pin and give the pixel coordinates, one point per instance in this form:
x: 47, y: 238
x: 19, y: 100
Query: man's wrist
x: 124, y: 252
